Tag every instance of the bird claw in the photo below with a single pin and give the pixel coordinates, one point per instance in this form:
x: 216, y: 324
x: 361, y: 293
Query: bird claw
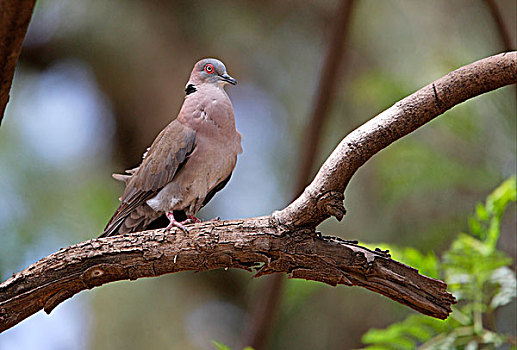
x: 174, y: 223
x: 178, y: 225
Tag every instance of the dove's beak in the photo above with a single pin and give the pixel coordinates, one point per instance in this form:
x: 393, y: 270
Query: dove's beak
x: 225, y: 77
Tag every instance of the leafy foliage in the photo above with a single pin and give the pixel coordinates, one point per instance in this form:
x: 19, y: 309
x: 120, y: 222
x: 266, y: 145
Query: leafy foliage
x: 476, y: 272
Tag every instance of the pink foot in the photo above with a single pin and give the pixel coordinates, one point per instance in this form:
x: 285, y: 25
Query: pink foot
x: 174, y: 223
x: 193, y: 219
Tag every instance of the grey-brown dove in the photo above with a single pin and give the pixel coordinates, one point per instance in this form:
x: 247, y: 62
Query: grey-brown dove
x: 189, y: 161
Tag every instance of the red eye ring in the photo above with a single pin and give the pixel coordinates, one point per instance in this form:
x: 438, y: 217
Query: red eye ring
x: 209, y: 68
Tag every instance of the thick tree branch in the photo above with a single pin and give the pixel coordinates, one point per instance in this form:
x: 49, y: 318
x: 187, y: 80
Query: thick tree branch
x: 251, y: 243
x: 286, y: 241
x: 324, y: 196
x: 15, y: 16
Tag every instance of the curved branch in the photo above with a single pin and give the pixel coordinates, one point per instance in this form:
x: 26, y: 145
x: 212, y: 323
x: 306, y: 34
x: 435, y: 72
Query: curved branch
x: 324, y: 196
x: 245, y: 244
x: 286, y: 241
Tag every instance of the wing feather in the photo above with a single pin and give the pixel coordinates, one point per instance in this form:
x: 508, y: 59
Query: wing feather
x: 169, y: 151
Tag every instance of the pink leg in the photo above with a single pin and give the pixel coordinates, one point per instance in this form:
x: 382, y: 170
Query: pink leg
x: 174, y: 223
x: 193, y: 219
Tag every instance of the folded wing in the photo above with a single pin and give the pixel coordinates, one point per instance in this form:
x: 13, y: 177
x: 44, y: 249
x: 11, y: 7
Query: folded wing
x: 168, y: 153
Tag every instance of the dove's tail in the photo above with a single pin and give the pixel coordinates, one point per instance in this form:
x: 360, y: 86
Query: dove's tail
x: 139, y: 219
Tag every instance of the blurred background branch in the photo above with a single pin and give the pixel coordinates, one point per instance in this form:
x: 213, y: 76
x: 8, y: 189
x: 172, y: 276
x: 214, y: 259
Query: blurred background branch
x: 15, y: 16
x: 504, y: 35
x: 502, y: 29
x: 266, y: 306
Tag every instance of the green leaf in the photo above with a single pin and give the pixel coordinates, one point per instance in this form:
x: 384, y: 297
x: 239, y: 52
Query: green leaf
x: 404, y: 335
x: 441, y: 341
x: 492, y: 338
x: 220, y: 346
x: 475, y: 271
x: 504, y: 277
x: 481, y: 212
x: 476, y: 228
x: 499, y: 199
x: 485, y: 224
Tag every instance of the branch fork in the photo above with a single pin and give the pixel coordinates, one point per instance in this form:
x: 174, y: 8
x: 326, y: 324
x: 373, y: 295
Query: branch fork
x: 331, y: 203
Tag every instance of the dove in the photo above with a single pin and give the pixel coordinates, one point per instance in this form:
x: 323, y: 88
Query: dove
x: 188, y: 162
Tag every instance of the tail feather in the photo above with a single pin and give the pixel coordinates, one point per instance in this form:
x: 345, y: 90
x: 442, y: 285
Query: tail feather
x: 134, y: 221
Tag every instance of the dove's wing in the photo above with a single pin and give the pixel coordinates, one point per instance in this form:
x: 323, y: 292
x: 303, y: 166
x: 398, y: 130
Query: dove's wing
x: 163, y: 160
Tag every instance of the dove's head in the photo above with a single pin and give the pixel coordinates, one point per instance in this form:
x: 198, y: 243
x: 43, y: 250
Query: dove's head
x: 212, y: 71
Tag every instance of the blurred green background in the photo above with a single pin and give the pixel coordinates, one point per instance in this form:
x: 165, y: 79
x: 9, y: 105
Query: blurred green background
x: 98, y: 80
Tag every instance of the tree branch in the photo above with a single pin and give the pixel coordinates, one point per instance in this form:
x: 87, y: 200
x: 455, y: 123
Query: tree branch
x: 286, y: 241
x: 324, y: 196
x: 243, y: 244
x: 15, y: 16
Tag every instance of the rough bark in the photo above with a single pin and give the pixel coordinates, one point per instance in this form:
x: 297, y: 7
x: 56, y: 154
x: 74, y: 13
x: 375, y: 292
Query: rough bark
x: 256, y: 243
x: 15, y: 16
x: 286, y: 241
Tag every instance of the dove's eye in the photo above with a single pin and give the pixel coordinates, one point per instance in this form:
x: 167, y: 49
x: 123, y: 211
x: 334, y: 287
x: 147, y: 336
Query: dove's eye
x: 209, y: 68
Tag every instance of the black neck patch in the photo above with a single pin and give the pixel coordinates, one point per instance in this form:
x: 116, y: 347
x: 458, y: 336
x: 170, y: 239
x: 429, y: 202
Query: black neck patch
x: 190, y: 89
